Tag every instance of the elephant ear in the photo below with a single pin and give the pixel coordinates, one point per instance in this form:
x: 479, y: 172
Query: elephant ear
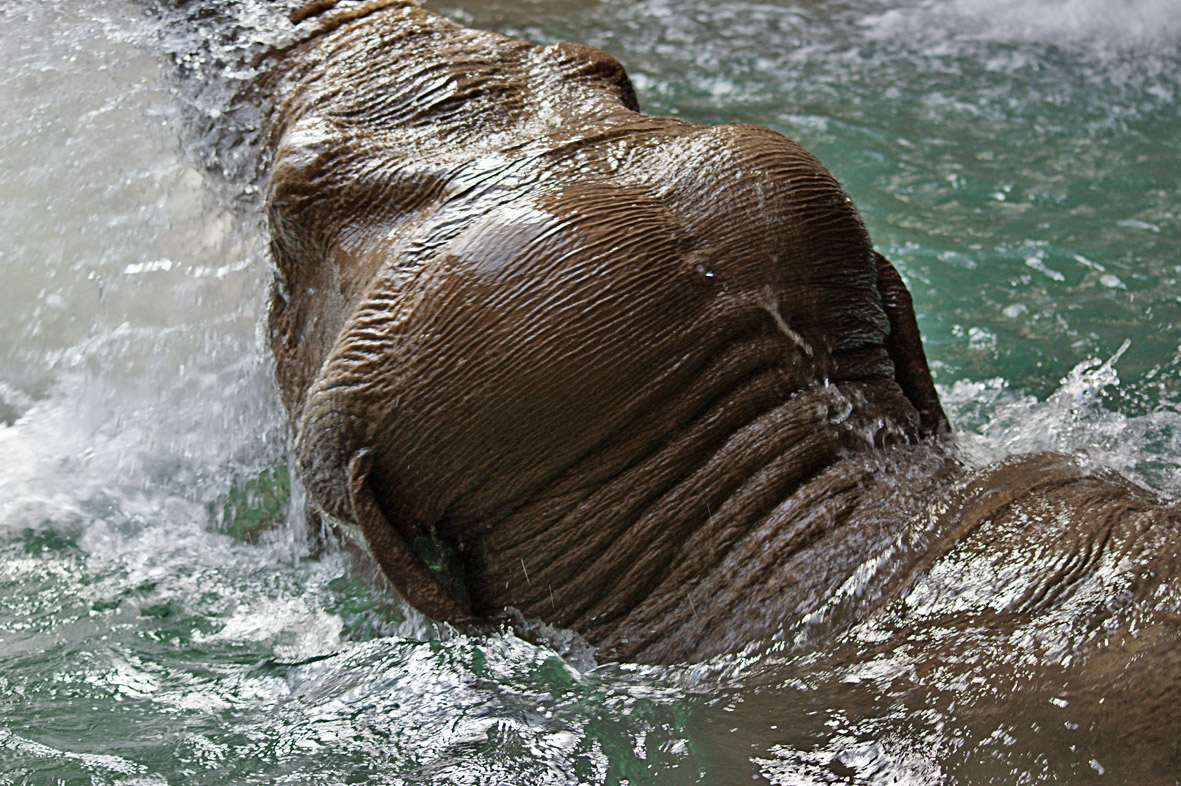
x: 399, y: 563
x: 905, y: 348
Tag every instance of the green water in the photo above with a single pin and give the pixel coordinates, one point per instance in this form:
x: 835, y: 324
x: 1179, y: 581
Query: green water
x: 162, y: 619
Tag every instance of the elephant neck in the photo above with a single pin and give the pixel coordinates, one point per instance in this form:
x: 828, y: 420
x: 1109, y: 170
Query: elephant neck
x: 738, y: 528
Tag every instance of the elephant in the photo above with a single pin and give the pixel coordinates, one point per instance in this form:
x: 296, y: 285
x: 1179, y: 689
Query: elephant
x: 644, y: 379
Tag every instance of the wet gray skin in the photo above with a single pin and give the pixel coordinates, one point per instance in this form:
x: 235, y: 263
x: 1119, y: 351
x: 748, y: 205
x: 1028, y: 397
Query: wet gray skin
x: 648, y: 380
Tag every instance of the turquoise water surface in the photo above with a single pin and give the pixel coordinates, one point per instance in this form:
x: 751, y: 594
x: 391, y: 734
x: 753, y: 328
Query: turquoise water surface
x: 163, y: 620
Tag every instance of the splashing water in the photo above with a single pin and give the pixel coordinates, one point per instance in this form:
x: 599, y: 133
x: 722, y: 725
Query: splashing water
x: 1075, y: 419
x: 162, y: 619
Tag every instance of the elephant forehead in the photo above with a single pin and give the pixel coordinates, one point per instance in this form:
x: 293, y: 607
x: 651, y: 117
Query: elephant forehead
x: 527, y: 298
x: 764, y: 209
x: 564, y: 298
x: 606, y: 264
x: 569, y: 263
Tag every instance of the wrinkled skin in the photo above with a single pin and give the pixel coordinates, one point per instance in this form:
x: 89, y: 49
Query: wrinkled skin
x: 638, y: 377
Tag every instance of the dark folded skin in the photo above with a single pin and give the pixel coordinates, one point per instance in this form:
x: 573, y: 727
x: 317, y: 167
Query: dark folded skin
x: 638, y: 377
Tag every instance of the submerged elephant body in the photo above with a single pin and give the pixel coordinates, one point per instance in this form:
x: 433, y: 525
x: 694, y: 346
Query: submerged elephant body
x: 637, y: 377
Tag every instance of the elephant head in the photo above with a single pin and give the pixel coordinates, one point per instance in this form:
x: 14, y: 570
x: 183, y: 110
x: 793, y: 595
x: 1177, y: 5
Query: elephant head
x: 599, y: 359
x: 634, y: 376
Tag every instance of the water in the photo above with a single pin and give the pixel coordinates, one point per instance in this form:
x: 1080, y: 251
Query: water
x: 162, y: 619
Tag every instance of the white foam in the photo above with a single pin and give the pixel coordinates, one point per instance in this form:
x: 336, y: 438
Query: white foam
x: 1075, y: 419
x: 1136, y: 23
